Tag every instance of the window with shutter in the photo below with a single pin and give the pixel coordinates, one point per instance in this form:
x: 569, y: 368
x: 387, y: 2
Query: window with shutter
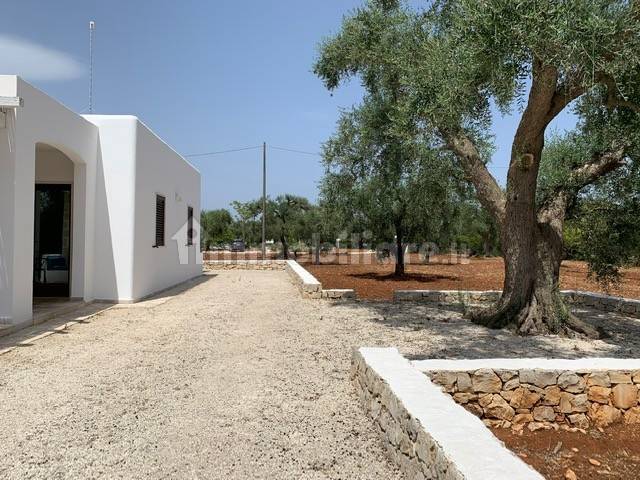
x: 160, y: 218
x: 189, y: 226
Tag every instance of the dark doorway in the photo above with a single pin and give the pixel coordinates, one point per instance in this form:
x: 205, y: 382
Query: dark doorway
x: 52, y: 241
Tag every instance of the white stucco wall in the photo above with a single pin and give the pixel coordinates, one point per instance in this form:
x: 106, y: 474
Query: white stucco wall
x: 41, y: 120
x: 117, y: 166
x: 135, y: 165
x: 115, y: 199
x: 160, y: 170
x: 53, y: 166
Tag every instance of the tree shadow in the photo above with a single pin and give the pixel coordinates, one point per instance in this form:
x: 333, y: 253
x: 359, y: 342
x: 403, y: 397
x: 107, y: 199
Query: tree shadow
x: 421, y: 331
x: 407, y: 277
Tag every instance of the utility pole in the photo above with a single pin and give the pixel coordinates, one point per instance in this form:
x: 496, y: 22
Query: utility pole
x: 264, y: 200
x: 92, y: 27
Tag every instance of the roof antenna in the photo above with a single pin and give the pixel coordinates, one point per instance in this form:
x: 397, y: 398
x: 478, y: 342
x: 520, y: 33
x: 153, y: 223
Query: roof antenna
x: 92, y: 27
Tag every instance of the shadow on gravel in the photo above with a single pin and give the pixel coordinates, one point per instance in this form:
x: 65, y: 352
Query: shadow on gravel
x: 446, y: 334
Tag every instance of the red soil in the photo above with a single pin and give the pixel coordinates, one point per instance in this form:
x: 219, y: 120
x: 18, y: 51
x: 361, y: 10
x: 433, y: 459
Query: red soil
x: 373, y: 280
x: 613, y: 453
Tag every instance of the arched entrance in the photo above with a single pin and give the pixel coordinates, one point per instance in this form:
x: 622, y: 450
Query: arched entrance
x: 53, y: 223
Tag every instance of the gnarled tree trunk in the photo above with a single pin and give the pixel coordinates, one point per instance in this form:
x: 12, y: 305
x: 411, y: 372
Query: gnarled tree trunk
x: 531, y: 235
x: 532, y: 243
x: 531, y: 302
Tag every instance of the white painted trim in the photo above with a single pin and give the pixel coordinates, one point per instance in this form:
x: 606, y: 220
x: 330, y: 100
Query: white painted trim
x: 468, y: 444
x: 305, y: 277
x: 577, y: 365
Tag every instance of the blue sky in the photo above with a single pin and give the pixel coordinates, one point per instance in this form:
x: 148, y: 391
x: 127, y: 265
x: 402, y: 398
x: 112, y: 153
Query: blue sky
x: 205, y: 76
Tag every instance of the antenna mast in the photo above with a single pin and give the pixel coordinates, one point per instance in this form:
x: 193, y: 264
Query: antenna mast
x: 92, y: 27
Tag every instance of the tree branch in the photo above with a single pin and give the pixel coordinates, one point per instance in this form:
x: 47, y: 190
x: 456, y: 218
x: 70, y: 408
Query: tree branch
x: 565, y: 93
x: 599, y: 166
x: 490, y: 194
x: 554, y: 209
x: 536, y: 115
x: 614, y: 100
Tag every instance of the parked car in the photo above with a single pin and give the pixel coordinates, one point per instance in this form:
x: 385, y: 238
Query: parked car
x: 53, y: 269
x: 237, y: 245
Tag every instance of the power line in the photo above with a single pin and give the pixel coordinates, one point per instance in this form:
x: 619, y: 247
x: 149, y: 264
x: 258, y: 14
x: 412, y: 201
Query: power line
x: 295, y: 151
x: 204, y: 154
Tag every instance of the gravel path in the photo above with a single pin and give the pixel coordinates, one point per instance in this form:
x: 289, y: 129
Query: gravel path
x: 235, y: 378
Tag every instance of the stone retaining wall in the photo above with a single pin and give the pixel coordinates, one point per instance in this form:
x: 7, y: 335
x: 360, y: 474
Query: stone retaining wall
x: 338, y: 293
x: 423, y: 430
x: 309, y: 286
x: 244, y: 265
x: 597, y: 301
x: 578, y: 397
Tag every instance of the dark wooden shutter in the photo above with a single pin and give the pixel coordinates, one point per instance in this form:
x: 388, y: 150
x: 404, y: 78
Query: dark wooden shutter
x: 189, y: 226
x: 160, y: 218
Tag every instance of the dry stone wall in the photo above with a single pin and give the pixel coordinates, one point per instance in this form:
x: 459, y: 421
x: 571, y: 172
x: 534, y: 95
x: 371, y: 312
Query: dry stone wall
x: 545, y: 398
x: 309, y: 286
x: 597, y: 301
x: 244, y: 265
x: 423, y: 430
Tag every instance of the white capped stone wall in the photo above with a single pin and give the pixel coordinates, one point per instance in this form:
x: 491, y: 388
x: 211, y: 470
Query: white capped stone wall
x: 422, y: 429
x: 626, y: 306
x: 536, y: 398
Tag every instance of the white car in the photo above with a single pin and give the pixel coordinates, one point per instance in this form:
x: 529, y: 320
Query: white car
x: 54, y: 269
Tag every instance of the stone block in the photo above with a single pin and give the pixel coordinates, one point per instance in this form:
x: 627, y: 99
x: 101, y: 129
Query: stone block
x: 551, y: 396
x: 625, y: 395
x: 523, y: 398
x: 632, y: 416
x: 521, y: 418
x: 571, y: 382
x: 447, y: 380
x: 544, y: 414
x: 506, y: 375
x: 463, y: 382
x: 570, y: 403
x: 619, y: 377
x: 539, y: 378
x: 511, y: 384
x: 599, y: 394
x: 499, y: 409
x: 486, y: 380
x: 599, y: 379
x: 579, y: 420
x: 464, y: 398
x: 604, y: 415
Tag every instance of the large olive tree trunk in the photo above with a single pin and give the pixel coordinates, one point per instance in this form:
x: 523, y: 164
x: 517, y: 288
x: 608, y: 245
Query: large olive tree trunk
x: 531, y: 234
x: 531, y: 302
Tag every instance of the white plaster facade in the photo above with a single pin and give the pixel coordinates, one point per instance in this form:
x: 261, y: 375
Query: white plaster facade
x: 116, y: 166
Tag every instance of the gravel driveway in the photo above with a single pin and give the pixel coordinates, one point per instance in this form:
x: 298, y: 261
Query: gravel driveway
x: 235, y: 378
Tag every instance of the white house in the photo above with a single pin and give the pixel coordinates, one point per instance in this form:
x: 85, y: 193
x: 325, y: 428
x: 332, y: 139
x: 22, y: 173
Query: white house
x: 92, y: 207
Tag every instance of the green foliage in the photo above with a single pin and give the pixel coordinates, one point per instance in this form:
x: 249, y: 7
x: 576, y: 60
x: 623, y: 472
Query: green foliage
x: 290, y: 219
x: 466, y: 54
x: 603, y: 225
x: 475, y: 230
x: 441, y: 69
x: 248, y: 224
x: 216, y: 227
x: 383, y: 173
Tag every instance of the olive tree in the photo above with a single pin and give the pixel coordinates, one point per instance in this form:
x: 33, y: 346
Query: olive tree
x: 536, y: 58
x: 383, y: 175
